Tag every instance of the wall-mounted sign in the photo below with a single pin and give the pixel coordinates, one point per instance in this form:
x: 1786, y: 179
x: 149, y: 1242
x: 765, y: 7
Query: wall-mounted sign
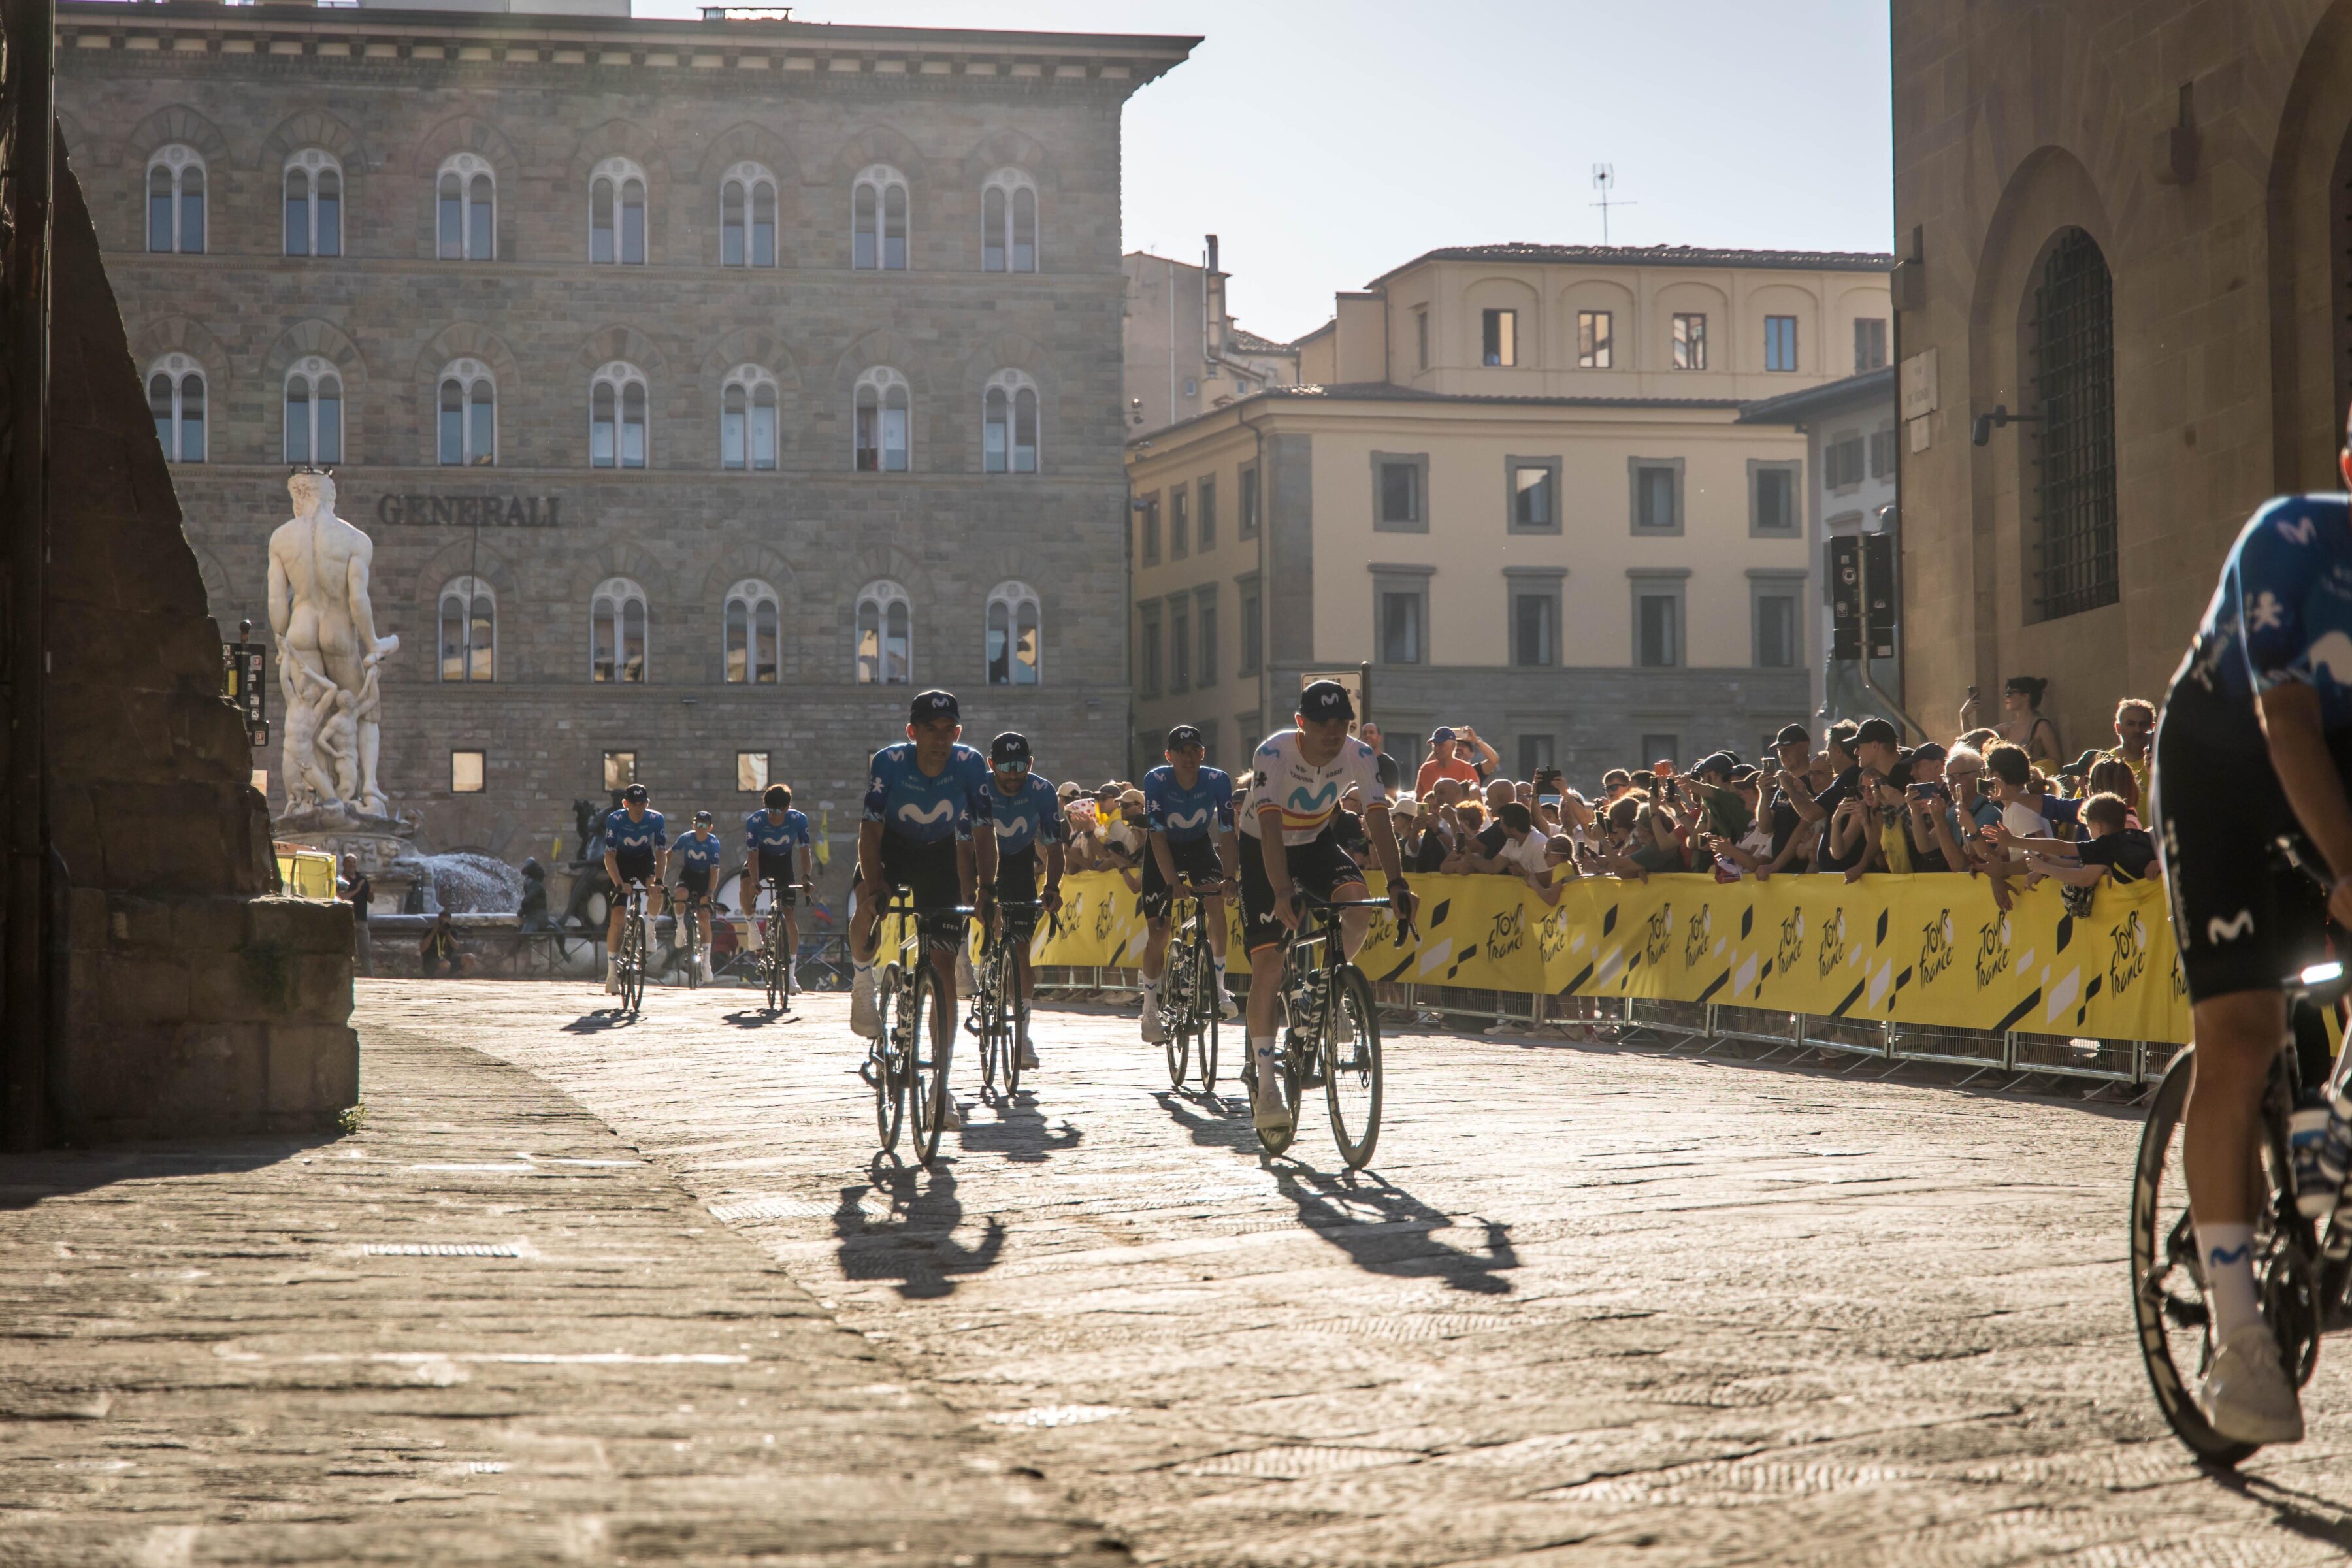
x: 468, y: 511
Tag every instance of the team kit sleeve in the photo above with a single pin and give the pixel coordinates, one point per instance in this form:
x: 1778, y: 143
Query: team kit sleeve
x: 797, y: 825
x: 1220, y: 794
x: 877, y: 788
x: 661, y: 829
x: 1051, y: 829
x: 1155, y: 799
x: 2273, y: 563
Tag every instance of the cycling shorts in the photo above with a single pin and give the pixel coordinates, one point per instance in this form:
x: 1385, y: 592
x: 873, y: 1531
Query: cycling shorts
x: 1319, y: 866
x: 930, y: 872
x: 784, y: 891
x: 636, y: 865
x: 1016, y: 883
x: 1195, y: 859
x: 695, y: 879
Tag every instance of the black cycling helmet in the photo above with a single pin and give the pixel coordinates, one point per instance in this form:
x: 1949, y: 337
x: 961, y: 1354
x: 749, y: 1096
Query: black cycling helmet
x: 636, y: 792
x: 778, y: 798
x: 1009, y: 749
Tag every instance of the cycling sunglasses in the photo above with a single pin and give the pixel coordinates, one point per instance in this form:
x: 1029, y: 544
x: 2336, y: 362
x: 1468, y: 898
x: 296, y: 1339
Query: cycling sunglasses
x: 1016, y: 768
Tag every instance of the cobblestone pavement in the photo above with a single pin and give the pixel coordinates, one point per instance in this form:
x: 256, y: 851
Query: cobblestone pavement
x: 1594, y: 1306
x: 482, y: 1331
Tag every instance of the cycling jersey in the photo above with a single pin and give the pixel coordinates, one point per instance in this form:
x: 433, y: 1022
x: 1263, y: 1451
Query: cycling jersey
x: 698, y: 851
x: 914, y: 804
x: 1029, y: 817
x: 2281, y: 612
x: 1184, y: 814
x: 623, y: 836
x: 1307, y: 795
x: 775, y: 840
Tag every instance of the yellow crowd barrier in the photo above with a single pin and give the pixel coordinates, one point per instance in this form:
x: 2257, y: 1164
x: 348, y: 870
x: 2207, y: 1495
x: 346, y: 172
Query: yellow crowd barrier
x: 1932, y: 950
x: 307, y: 873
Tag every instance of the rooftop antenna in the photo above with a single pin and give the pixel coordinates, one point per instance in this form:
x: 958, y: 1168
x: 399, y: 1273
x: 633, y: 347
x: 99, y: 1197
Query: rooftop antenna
x: 1604, y: 180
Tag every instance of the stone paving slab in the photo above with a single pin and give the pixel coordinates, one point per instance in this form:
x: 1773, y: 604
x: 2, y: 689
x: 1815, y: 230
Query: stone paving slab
x: 1593, y: 1306
x: 483, y: 1330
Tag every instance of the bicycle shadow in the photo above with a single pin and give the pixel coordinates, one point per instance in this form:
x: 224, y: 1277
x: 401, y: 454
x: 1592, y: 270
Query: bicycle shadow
x: 1399, y: 1234
x: 755, y: 1018
x: 915, y: 1245
x: 2297, y: 1513
x: 1220, y: 1132
x: 1018, y: 1130
x: 600, y: 1020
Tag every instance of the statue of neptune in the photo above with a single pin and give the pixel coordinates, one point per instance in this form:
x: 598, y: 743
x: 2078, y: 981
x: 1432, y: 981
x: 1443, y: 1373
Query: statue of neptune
x: 328, y: 652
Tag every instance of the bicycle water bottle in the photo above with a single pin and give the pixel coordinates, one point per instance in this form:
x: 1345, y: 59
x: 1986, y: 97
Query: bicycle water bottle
x: 2308, y: 1129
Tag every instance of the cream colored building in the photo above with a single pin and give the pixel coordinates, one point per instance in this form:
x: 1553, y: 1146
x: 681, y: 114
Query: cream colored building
x: 1514, y: 483
x: 1186, y: 354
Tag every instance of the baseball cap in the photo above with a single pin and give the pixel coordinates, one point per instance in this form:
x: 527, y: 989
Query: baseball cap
x: 933, y: 704
x: 1716, y: 763
x: 2082, y: 765
x: 1879, y: 731
x: 1131, y: 798
x: 1408, y: 806
x: 1792, y: 735
x: 1184, y: 735
x: 1008, y: 749
x: 1069, y: 791
x: 703, y: 816
x: 1443, y: 732
x: 1326, y: 700
x: 634, y: 792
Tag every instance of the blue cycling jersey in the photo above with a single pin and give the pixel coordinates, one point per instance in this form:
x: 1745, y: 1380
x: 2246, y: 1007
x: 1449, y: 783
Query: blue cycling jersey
x: 1184, y: 814
x: 699, y: 851
x: 775, y: 837
x: 1029, y: 817
x: 914, y: 804
x: 620, y: 833
x: 2281, y: 612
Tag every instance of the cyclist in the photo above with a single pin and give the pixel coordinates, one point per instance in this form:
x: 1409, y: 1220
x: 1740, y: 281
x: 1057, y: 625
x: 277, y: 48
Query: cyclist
x: 776, y: 845
x: 697, y: 854
x: 637, y: 849
x: 1028, y: 818
x: 1290, y: 816
x: 2255, y: 741
x: 923, y: 797
x: 1189, y: 812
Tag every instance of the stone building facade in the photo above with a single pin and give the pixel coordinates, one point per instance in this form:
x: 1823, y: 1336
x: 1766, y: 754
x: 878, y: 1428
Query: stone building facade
x: 839, y: 306
x: 2131, y: 216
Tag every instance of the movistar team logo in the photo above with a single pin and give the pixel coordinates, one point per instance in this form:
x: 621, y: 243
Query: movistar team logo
x: 1188, y: 819
x: 939, y: 811
x: 1303, y: 802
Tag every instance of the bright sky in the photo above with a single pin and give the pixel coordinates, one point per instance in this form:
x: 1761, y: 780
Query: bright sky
x: 1325, y: 142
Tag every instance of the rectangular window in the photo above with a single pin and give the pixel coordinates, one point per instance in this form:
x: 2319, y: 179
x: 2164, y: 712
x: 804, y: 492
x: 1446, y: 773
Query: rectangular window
x: 1246, y: 525
x: 1499, y: 337
x: 1399, y: 483
x: 1780, y: 343
x: 620, y: 769
x: 1690, y: 342
x: 1207, y: 636
x: 1869, y: 343
x: 750, y: 773
x: 1180, y: 524
x: 1151, y: 531
x: 1421, y: 334
x: 1253, y: 628
x: 1842, y: 460
x: 1662, y: 748
x: 1592, y: 334
x: 1535, y: 629
x: 1535, y: 492
x: 1534, y: 755
x: 1401, y: 628
x: 1772, y: 496
x: 1147, y: 651
x: 1180, y: 644
x: 1658, y: 629
x: 1882, y: 454
x: 1206, y: 488
x: 465, y: 772
x: 1776, y: 630
x: 1657, y: 495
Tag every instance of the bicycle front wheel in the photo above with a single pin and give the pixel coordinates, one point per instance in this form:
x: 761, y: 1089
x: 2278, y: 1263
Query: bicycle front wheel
x: 1176, y: 1013
x: 888, y: 1059
x: 928, y: 1055
x: 1212, y: 1003
x: 775, y: 964
x: 1352, y: 1067
x: 1017, y: 1033
x: 633, y: 966
x: 693, y: 952
x: 988, y: 1011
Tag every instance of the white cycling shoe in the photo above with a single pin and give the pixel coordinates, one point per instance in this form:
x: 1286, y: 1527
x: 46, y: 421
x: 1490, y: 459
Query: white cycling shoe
x: 1155, y: 1029
x: 1268, y: 1113
x: 1028, y: 1056
x: 864, y: 1006
x: 1227, y: 1010
x: 611, y: 977
x: 2247, y: 1397
x: 950, y: 1117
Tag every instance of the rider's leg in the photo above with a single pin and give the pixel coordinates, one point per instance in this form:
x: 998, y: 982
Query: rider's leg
x: 2237, y: 1038
x: 792, y: 945
x: 1355, y: 925
x: 613, y: 940
x: 1155, y: 950
x: 1266, y: 1013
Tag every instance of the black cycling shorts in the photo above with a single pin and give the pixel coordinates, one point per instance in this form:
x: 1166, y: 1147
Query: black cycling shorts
x: 2244, y: 918
x: 930, y: 872
x: 634, y: 864
x: 1196, y: 857
x: 1319, y: 867
x: 695, y: 879
x: 780, y: 886
x: 1016, y: 883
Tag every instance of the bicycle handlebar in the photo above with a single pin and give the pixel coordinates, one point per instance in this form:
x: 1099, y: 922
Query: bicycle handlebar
x: 1405, y: 926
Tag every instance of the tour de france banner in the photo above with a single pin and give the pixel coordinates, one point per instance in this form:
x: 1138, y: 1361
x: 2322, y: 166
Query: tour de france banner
x: 1914, y: 950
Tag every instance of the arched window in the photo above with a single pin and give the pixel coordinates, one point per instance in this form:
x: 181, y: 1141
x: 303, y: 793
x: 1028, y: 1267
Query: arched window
x: 616, y: 632
x: 616, y: 417
x: 751, y: 620
x: 1008, y: 423
x: 314, y: 412
x: 885, y: 636
x: 469, y: 630
x: 747, y: 419
x: 747, y: 216
x: 2074, y: 360
x: 1013, y: 635
x: 885, y: 412
x: 1008, y: 217
x: 468, y: 208
x: 616, y: 213
x: 175, y: 395
x: 468, y: 423
x: 878, y: 219
x: 175, y: 200
x: 314, y: 204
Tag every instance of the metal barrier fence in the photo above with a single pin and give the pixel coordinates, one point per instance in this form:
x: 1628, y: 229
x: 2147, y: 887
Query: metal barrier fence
x: 2016, y: 1053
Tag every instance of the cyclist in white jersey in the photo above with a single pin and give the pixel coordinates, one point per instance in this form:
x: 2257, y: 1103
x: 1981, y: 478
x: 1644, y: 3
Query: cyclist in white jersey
x: 1289, y: 823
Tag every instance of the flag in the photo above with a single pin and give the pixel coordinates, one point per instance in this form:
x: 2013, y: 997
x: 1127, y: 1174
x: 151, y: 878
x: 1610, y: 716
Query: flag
x: 825, y: 837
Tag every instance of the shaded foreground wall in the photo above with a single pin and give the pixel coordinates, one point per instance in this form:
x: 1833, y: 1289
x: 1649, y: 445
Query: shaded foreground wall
x: 195, y: 1001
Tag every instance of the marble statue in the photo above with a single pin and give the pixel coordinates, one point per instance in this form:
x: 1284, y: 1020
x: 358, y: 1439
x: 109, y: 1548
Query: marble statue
x: 328, y: 653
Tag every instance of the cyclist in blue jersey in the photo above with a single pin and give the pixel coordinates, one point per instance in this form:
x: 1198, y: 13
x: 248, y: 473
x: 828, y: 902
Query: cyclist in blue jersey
x: 776, y: 852
x: 1188, y: 814
x: 1028, y: 818
x: 637, y: 849
x: 2256, y: 742
x: 697, y: 854
x: 924, y: 797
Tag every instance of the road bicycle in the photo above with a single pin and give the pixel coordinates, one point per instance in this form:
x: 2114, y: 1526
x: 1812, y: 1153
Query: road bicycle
x: 775, y: 963
x: 1331, y: 1032
x: 2302, y: 1266
x: 999, y: 1018
x: 1189, y: 1004
x: 907, y: 1063
x: 685, y: 914
x: 631, y: 956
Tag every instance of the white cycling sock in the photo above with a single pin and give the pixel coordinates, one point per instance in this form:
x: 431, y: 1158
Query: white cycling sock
x: 2228, y: 1254
x: 1263, y: 1049
x: 1221, y: 973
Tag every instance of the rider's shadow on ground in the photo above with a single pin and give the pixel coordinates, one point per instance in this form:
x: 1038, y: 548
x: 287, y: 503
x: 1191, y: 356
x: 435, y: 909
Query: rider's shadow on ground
x: 915, y: 1244
x: 1384, y: 1229
x: 2297, y: 1513
x: 1013, y: 1127
x: 597, y: 1022
x: 756, y: 1017
x: 1209, y: 1119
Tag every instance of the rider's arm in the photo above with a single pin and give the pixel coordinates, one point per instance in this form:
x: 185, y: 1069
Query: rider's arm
x: 2307, y: 771
x: 869, y: 852
x: 967, y: 866
x: 1229, y: 854
x: 1382, y: 834
x: 807, y: 855
x: 1273, y: 853
x: 1166, y: 859
x: 1054, y: 866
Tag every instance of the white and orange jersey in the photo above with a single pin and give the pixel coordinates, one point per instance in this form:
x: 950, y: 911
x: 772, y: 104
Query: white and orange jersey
x: 1307, y: 795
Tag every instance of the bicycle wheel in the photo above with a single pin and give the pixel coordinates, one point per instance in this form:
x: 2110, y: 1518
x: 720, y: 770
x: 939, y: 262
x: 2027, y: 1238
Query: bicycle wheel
x: 633, y: 966
x: 693, y: 952
x: 988, y: 1016
x: 2168, y: 1281
x: 1288, y: 1077
x: 773, y: 962
x: 1352, y: 1067
x: 1176, y: 1013
x: 1016, y: 1034
x: 1212, y: 1004
x: 927, y: 1062
x: 888, y: 1059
